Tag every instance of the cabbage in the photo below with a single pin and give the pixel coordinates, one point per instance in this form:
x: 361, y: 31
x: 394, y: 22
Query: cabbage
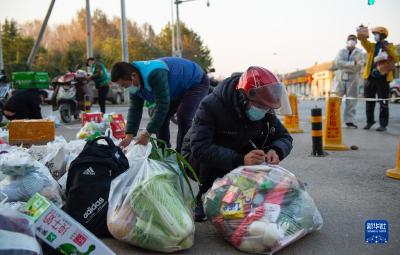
x: 163, y: 221
x: 151, y: 204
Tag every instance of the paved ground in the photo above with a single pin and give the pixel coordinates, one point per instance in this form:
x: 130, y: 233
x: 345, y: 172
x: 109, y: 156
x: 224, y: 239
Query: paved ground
x: 348, y: 187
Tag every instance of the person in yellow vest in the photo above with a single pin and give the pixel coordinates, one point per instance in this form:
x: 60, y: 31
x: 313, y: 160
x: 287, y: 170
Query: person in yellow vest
x: 377, y: 83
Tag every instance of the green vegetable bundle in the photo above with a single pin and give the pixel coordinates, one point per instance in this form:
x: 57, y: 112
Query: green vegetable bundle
x: 151, y: 204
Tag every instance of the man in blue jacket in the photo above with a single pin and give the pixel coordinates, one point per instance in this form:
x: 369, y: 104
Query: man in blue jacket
x: 236, y: 125
x: 176, y: 85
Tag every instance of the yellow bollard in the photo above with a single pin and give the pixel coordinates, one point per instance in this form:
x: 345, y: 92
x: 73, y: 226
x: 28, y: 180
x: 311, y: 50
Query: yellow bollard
x: 291, y: 122
x: 87, y: 104
x: 395, y: 172
x: 333, y: 126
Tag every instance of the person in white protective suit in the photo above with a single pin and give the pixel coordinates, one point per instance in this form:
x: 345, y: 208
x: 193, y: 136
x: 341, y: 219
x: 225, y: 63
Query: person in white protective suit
x: 349, y: 62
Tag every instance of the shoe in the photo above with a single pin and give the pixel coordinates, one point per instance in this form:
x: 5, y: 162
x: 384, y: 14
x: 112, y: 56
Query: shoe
x: 369, y: 125
x: 381, y: 129
x: 351, y: 125
x: 199, y: 215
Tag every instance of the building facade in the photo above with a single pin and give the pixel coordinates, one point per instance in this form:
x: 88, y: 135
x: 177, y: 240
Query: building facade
x: 311, y: 82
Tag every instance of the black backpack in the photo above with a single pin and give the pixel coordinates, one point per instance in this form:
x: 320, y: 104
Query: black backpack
x: 88, y: 183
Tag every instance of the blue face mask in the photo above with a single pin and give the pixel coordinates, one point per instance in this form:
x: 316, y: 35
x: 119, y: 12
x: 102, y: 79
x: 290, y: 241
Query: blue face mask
x: 254, y: 113
x: 133, y: 89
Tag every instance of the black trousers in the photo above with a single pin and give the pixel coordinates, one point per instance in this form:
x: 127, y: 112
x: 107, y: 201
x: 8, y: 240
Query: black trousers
x: 381, y: 88
x: 185, y: 109
x: 103, y: 91
x: 207, y: 175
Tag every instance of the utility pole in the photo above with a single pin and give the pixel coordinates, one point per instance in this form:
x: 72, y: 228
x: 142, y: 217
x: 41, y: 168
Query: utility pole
x: 179, y: 47
x: 89, y: 44
x: 40, y: 36
x: 172, y: 29
x: 1, y: 52
x: 124, y: 37
x: 178, y: 31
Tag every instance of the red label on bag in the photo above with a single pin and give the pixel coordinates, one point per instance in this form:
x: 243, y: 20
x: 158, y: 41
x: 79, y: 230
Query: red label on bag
x: 89, y: 117
x: 79, y: 238
x: 118, y: 126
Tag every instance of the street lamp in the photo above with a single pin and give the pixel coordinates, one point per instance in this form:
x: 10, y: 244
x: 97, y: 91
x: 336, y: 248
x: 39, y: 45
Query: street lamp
x: 179, y: 47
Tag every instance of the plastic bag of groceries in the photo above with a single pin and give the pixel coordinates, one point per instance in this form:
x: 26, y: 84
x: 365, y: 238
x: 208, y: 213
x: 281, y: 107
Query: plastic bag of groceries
x: 17, y: 234
x: 56, y: 158
x: 91, y: 130
x: 147, y: 204
x: 261, y: 209
x: 72, y: 150
x: 52, y: 155
x: 26, y: 176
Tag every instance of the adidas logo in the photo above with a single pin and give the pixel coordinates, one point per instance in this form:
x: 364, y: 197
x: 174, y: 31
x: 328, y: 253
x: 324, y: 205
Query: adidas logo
x: 91, y: 209
x: 89, y: 171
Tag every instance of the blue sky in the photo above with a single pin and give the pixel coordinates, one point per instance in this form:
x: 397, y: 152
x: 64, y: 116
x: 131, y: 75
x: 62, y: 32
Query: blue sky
x: 283, y: 35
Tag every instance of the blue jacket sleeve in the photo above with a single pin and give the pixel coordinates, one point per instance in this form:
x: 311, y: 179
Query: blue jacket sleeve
x: 203, y: 146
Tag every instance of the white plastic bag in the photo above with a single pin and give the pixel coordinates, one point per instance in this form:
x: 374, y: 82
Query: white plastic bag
x: 17, y: 234
x: 25, y: 177
x: 261, y: 209
x: 56, y: 119
x: 382, y: 55
x: 146, y: 208
x: 4, y: 134
x: 38, y: 152
x: 17, y: 163
x: 73, y: 148
x: 56, y: 157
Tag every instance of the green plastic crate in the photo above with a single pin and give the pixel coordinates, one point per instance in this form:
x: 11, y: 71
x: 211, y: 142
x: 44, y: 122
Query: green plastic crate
x: 30, y: 80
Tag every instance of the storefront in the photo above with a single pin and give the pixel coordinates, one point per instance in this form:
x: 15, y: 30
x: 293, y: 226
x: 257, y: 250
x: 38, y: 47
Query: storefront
x: 314, y: 81
x: 298, y: 82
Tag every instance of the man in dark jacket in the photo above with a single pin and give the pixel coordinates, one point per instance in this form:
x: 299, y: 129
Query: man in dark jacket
x: 236, y: 125
x: 24, y: 104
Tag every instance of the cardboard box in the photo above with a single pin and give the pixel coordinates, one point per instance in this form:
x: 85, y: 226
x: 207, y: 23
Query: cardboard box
x: 30, y: 80
x: 60, y: 231
x: 31, y: 131
x: 362, y: 32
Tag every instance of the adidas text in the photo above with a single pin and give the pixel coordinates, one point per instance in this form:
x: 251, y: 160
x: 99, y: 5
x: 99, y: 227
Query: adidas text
x: 93, y: 208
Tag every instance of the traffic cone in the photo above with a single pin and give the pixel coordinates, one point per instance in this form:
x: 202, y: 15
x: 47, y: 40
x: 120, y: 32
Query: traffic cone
x: 395, y: 172
x: 291, y: 122
x: 333, y: 126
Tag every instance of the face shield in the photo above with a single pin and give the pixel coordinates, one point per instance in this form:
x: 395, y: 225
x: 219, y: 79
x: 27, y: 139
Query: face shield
x: 271, y: 96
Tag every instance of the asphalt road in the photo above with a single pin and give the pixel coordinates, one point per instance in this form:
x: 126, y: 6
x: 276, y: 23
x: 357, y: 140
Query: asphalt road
x: 348, y: 187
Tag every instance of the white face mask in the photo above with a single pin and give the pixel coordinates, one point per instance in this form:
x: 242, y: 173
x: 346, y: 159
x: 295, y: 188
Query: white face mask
x: 351, y: 43
x: 377, y: 37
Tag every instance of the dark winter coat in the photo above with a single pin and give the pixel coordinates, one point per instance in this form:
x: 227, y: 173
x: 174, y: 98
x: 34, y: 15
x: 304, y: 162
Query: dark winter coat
x: 221, y: 133
x: 25, y: 104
